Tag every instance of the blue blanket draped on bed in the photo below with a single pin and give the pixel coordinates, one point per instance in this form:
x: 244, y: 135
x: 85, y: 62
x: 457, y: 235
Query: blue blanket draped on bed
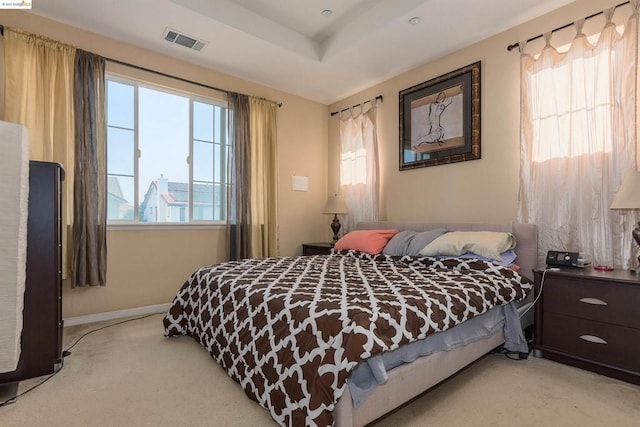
x: 373, y: 371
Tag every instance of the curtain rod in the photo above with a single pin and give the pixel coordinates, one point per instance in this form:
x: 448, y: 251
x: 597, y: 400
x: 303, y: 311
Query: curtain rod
x: 158, y: 72
x: 357, y: 105
x: 515, y: 45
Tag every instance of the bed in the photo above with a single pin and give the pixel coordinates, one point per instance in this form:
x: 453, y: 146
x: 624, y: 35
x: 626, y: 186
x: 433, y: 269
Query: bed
x: 292, y: 330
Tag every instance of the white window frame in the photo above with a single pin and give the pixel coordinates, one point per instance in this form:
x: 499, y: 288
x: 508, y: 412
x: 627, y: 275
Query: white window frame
x: 195, y: 93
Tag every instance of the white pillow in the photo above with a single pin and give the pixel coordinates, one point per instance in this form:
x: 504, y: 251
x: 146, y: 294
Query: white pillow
x: 489, y: 244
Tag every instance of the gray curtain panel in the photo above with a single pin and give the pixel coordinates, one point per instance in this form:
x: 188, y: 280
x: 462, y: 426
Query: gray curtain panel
x: 239, y: 198
x: 89, y: 202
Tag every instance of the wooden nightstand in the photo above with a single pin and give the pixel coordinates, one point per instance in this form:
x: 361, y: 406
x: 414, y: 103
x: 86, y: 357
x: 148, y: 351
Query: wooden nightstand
x: 591, y: 320
x: 316, y: 248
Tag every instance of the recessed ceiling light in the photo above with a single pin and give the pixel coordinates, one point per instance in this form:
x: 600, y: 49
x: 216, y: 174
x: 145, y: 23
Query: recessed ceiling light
x: 415, y: 20
x: 327, y: 12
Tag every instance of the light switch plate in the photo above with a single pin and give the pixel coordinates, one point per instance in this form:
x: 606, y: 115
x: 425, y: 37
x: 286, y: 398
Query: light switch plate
x: 300, y: 183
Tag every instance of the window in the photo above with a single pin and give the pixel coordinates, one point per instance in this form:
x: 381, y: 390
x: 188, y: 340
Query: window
x: 166, y: 155
x: 578, y: 139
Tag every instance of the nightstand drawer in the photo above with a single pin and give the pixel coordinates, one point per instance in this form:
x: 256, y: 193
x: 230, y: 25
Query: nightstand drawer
x: 600, y: 342
x: 594, y: 300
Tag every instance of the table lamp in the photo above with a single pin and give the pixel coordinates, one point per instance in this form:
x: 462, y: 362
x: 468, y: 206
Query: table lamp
x: 335, y: 205
x: 628, y: 198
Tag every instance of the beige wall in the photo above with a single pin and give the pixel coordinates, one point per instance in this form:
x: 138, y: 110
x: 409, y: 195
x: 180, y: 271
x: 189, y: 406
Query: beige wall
x: 147, y: 267
x: 474, y: 191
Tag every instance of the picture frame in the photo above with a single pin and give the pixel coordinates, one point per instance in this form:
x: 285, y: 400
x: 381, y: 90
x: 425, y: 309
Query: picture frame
x: 440, y: 120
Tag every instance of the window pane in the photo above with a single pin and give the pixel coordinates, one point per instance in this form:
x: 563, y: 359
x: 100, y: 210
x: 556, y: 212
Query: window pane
x: 119, y: 104
x: 120, y: 149
x: 202, y: 201
x: 163, y: 138
x: 161, y: 129
x: 202, y: 161
x: 202, y: 121
x: 120, y: 198
x: 220, y: 118
x: 219, y: 203
x: 220, y: 161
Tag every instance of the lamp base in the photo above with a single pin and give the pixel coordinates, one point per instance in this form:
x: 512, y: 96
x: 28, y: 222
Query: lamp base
x: 335, y: 227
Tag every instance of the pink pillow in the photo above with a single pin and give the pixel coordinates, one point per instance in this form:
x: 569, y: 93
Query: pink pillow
x: 370, y: 241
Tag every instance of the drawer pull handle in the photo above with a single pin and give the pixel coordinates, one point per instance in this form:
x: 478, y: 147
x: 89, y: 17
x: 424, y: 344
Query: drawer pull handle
x: 593, y: 301
x: 593, y: 339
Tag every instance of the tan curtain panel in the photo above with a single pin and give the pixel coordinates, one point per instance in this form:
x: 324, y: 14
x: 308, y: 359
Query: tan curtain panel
x: 264, y: 178
x: 252, y: 212
x: 39, y: 94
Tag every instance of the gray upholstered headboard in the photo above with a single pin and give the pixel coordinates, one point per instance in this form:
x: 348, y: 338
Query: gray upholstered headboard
x: 526, y: 234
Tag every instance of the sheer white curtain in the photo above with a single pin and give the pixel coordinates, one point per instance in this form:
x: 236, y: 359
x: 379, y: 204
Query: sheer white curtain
x: 578, y: 141
x: 359, y: 165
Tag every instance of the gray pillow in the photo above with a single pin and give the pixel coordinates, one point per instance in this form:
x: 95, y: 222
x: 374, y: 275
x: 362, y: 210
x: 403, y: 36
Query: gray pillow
x: 411, y: 242
x: 399, y: 243
x: 422, y: 239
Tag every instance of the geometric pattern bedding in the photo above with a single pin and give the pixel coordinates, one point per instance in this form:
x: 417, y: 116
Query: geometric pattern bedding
x: 289, y: 330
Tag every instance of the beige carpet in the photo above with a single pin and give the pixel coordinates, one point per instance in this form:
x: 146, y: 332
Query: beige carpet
x: 130, y: 375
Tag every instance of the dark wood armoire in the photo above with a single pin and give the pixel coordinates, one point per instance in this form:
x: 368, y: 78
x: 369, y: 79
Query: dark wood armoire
x: 41, y: 340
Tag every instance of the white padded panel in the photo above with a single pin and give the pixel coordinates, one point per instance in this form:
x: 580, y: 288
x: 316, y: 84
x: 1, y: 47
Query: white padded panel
x: 14, y: 193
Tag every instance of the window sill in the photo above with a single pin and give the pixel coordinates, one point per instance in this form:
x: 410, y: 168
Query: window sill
x: 137, y: 226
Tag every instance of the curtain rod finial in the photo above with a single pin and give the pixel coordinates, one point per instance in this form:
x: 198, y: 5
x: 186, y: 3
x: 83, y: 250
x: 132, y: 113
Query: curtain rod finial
x: 512, y: 46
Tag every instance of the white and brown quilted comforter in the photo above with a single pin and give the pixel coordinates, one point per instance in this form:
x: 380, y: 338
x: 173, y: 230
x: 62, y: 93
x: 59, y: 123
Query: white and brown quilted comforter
x: 290, y: 329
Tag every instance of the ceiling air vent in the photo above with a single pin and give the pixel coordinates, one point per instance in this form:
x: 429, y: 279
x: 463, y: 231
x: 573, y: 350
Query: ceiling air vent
x: 173, y: 36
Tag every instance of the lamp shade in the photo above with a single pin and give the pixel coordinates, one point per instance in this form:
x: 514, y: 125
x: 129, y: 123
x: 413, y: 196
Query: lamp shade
x: 628, y: 196
x: 335, y: 205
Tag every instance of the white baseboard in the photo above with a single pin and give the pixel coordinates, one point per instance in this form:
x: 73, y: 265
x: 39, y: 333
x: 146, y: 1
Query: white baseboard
x: 118, y: 314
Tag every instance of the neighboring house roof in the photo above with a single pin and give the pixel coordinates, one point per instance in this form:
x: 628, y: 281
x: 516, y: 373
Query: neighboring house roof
x: 153, y: 186
x: 114, y: 189
x: 178, y: 193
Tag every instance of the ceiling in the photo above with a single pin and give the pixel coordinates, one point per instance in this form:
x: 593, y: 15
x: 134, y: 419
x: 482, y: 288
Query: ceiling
x: 291, y: 46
